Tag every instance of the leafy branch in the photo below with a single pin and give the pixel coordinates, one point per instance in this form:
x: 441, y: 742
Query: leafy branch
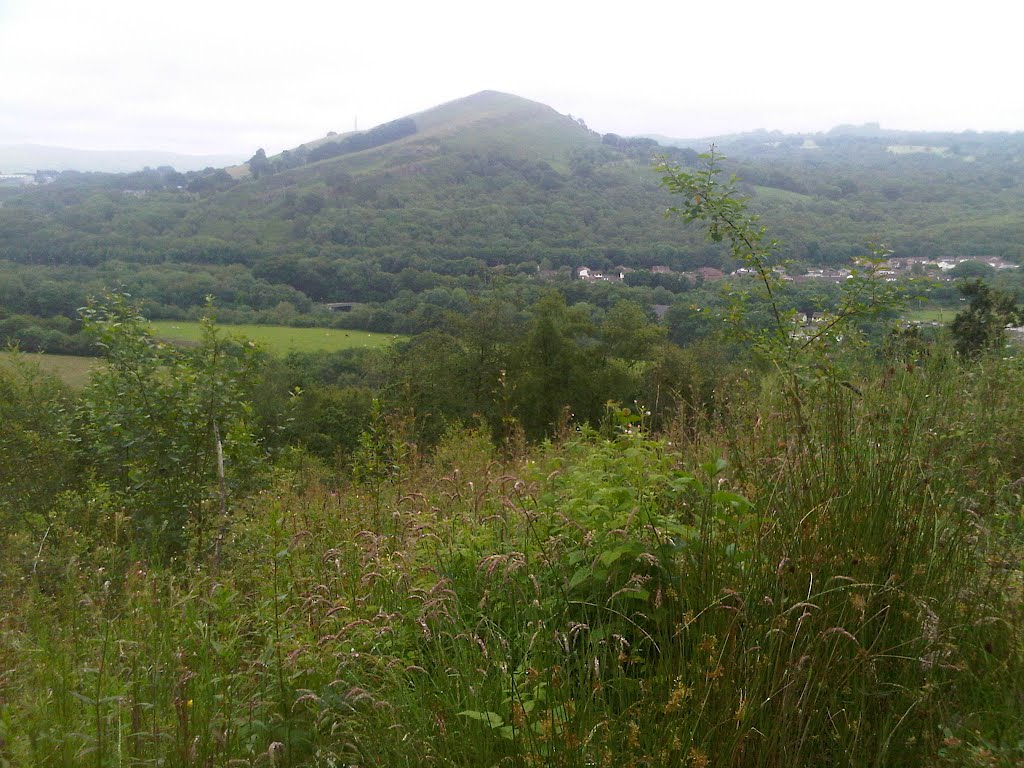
x: 716, y: 203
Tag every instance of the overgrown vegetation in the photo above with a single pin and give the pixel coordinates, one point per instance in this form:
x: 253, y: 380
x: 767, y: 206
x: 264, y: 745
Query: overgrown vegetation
x: 810, y: 556
x: 762, y: 591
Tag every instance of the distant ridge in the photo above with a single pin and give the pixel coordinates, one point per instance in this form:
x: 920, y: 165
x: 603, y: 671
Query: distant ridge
x: 29, y: 158
x: 867, y: 131
x: 494, y: 185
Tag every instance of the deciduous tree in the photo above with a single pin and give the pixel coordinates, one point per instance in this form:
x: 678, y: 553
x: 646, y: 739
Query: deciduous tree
x: 168, y: 428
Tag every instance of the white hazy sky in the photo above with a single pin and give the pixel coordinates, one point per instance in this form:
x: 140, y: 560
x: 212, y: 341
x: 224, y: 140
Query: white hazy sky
x: 228, y: 76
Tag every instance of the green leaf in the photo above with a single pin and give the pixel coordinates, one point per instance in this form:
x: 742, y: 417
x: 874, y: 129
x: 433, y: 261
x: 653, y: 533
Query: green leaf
x: 680, y: 530
x: 681, y: 480
x: 611, y: 555
x: 636, y: 594
x: 734, y: 500
x: 493, y: 719
x: 714, y: 468
x: 579, y: 577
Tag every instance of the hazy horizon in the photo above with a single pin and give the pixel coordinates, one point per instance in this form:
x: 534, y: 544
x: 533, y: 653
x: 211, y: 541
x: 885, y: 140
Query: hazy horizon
x: 227, y: 78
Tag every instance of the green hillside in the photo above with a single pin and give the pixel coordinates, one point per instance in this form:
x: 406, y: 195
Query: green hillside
x: 412, y: 218
x: 486, y: 187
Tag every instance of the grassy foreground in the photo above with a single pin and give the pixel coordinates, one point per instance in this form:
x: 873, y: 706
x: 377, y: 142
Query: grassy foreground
x: 834, y: 584
x: 280, y: 339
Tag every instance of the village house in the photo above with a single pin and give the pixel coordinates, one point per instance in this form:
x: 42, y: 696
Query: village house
x: 710, y: 273
x: 586, y: 273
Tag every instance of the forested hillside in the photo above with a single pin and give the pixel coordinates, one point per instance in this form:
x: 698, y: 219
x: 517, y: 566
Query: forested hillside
x: 411, y: 217
x: 924, y: 194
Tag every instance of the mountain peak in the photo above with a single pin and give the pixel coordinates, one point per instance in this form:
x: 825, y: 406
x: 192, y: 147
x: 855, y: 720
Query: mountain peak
x: 483, y: 105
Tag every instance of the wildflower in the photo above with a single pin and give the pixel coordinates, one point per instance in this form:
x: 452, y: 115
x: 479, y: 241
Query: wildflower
x: 859, y: 603
x: 633, y: 738
x: 275, y: 753
x: 741, y: 710
x: 679, y: 694
x: 698, y: 759
x: 707, y: 644
x: 519, y: 716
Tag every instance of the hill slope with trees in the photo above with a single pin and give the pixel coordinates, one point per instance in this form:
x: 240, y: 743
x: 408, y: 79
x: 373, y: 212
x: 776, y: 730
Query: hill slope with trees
x: 410, y: 218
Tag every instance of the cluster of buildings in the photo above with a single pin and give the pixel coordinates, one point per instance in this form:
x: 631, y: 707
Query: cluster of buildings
x: 945, y: 265
x: 618, y: 274
x: 17, y: 179
x: 891, y: 271
x: 909, y: 266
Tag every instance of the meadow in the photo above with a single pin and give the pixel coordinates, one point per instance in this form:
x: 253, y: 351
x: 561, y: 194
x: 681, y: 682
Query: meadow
x: 71, y: 369
x: 280, y: 339
x: 932, y: 315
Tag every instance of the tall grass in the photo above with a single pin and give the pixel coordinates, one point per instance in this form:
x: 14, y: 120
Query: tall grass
x: 834, y: 584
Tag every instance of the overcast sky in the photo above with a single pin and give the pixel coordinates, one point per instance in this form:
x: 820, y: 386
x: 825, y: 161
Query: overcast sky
x: 227, y: 76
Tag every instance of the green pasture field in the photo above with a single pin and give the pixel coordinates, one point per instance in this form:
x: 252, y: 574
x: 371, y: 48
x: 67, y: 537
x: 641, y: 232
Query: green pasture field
x: 280, y: 339
x: 72, y: 370
x: 932, y: 315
